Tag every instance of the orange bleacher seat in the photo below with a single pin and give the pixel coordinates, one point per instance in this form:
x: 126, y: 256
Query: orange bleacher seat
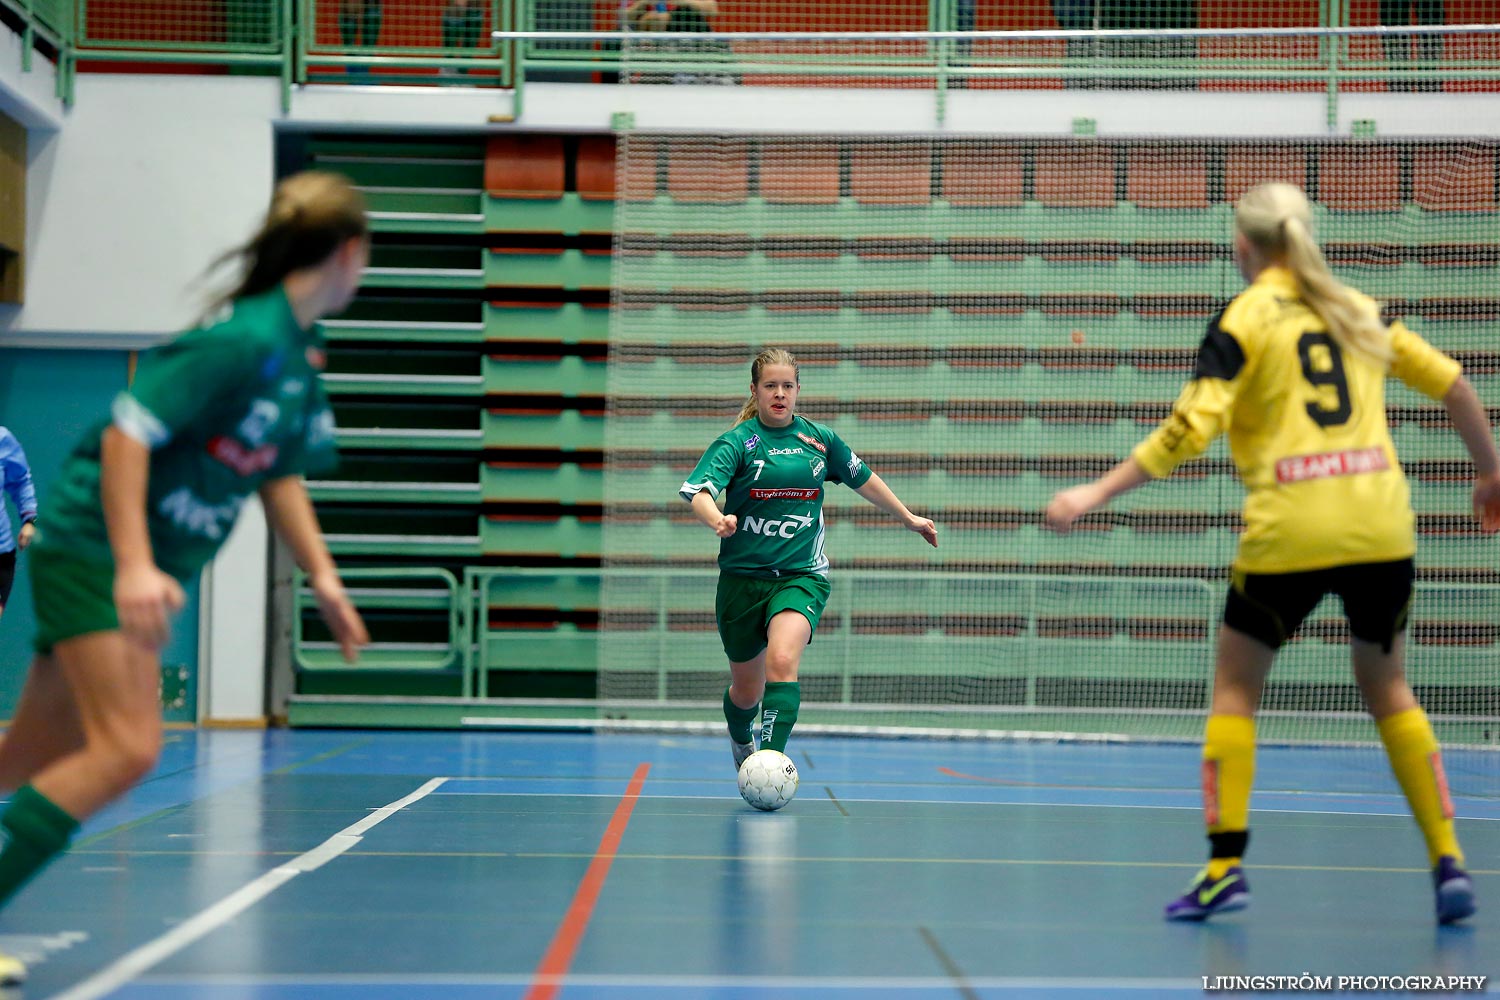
x: 797, y: 172
x: 891, y: 173
x: 638, y: 177
x: 1167, y: 178
x: 1075, y: 175
x: 1245, y: 166
x: 524, y: 166
x: 717, y: 174
x: 1359, y: 178
x: 595, y: 168
x: 983, y: 175
x: 1454, y: 178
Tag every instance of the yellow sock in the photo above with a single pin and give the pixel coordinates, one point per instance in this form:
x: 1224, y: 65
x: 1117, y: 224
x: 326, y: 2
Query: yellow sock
x: 1418, y: 764
x: 1218, y: 866
x: 1228, y: 772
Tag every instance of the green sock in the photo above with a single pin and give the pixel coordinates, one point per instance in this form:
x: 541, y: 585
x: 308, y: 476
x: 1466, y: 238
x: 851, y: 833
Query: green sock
x: 779, y: 713
x: 741, y: 720
x: 36, y: 831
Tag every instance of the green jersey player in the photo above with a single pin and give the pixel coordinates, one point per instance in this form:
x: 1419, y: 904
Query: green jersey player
x: 759, y: 487
x: 147, y: 497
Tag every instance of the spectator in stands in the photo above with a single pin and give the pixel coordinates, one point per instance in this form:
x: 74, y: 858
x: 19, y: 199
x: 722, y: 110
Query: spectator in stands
x: 463, y: 25
x: 359, y: 22
x: 149, y: 495
x: 572, y: 15
x: 1294, y: 370
x: 678, y: 16
x: 759, y: 487
x: 15, y: 474
x: 1397, y: 13
x: 1077, y: 15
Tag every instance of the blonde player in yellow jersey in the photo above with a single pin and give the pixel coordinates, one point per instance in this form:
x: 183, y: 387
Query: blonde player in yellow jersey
x: 1294, y: 371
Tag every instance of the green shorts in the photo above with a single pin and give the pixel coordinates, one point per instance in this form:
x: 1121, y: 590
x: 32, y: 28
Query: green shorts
x: 72, y: 597
x: 745, y: 605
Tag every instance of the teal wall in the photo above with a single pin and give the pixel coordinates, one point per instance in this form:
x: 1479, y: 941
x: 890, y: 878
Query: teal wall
x: 48, y: 398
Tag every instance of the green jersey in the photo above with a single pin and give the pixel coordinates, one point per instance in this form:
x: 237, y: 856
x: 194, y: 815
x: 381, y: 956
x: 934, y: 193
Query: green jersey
x: 223, y: 408
x: 771, y: 479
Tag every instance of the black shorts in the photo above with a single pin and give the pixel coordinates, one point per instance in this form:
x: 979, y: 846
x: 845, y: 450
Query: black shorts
x: 1271, y: 606
x: 7, y: 575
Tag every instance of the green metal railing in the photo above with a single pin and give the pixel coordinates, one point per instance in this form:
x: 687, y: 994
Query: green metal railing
x: 444, y: 599
x: 303, y: 40
x: 1026, y: 653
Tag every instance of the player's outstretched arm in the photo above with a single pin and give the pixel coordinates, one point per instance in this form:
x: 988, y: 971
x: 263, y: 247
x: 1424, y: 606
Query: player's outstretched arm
x: 290, y: 513
x: 1070, y: 504
x: 878, y: 493
x: 1473, y: 426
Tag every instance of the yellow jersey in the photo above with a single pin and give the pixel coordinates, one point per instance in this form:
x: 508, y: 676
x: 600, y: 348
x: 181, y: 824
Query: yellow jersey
x: 1307, y: 430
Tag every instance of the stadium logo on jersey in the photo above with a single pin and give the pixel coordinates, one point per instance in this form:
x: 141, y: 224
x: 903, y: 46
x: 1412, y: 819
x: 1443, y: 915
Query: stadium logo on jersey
x: 783, y: 451
x: 258, y: 422
x: 752, y: 442
x: 245, y: 461
x: 777, y: 527
x: 786, y: 493
x: 321, y: 431
x: 814, y: 442
x: 197, y: 517
x: 1352, y: 462
x: 854, y: 464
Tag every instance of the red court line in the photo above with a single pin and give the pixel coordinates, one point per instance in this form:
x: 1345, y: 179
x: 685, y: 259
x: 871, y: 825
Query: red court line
x: 548, y: 978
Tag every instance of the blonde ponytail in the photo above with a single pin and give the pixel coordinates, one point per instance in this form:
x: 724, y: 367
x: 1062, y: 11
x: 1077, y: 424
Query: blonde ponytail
x: 770, y: 356
x: 1277, y: 220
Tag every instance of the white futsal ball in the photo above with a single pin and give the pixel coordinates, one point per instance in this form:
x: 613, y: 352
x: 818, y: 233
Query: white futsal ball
x: 768, y: 779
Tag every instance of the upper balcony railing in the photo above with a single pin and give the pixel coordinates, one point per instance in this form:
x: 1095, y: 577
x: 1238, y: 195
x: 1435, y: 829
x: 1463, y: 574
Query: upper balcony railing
x: 1328, y: 46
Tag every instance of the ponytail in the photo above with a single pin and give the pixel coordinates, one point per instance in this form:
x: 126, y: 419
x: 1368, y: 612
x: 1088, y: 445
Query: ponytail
x: 770, y: 356
x: 1277, y: 220
x: 311, y: 215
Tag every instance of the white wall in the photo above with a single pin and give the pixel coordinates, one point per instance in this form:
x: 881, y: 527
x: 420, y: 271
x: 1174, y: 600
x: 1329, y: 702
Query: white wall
x: 149, y: 178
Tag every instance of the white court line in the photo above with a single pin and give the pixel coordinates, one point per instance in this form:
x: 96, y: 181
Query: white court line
x: 669, y: 982
x: 1397, y: 810
x: 132, y: 964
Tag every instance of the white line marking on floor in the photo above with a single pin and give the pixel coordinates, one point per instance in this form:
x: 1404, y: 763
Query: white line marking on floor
x: 132, y: 964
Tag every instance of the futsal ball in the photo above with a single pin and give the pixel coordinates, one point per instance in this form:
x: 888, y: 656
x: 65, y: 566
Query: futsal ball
x: 768, y: 779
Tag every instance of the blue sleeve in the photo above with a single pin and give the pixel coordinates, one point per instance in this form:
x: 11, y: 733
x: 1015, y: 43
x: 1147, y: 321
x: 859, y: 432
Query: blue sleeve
x: 18, y: 476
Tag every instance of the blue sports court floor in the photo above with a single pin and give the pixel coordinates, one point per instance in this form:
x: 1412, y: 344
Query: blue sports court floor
x: 341, y: 865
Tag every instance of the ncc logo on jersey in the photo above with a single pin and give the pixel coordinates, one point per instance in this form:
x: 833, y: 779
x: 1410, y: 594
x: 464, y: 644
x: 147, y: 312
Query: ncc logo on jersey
x: 777, y: 527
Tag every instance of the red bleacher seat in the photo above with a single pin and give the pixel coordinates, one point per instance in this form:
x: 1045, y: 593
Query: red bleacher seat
x: 1454, y: 178
x: 797, y: 172
x: 1075, y: 175
x: 891, y: 173
x: 716, y: 174
x: 524, y: 166
x: 983, y: 174
x: 1359, y: 178
x: 1245, y: 166
x: 595, y: 168
x: 1160, y: 177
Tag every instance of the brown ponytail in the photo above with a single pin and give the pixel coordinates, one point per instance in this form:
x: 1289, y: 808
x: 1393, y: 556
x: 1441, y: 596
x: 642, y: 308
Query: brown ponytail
x: 312, y: 213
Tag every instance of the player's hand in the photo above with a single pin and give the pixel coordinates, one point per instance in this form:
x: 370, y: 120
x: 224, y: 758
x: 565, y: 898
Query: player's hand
x: 924, y: 527
x: 26, y: 535
x: 1068, y: 506
x: 728, y: 525
x: 343, y: 620
x: 1487, y: 503
x: 145, y: 601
